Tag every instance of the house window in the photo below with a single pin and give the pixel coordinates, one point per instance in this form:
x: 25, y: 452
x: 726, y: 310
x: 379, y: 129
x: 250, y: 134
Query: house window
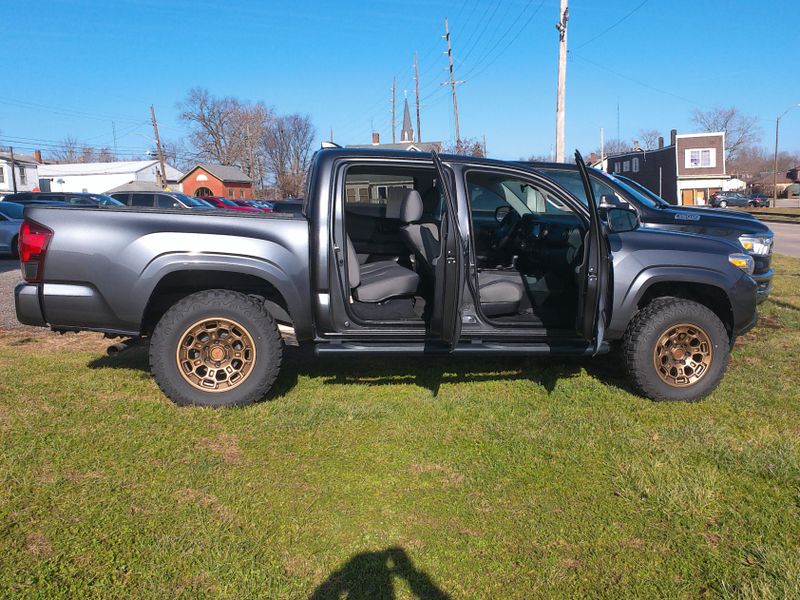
x: 626, y: 166
x: 23, y: 179
x: 203, y: 191
x: 635, y: 165
x: 700, y: 158
x: 616, y: 168
x: 2, y: 174
x: 230, y: 193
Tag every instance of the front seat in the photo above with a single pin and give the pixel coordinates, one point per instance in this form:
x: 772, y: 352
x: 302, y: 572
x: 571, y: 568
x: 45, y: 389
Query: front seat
x: 377, y: 282
x: 500, y: 292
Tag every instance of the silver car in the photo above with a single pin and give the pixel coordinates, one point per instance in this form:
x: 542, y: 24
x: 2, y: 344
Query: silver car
x: 10, y: 222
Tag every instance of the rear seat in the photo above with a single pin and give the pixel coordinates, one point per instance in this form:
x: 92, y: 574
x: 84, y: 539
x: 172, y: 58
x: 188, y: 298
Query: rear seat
x: 376, y: 282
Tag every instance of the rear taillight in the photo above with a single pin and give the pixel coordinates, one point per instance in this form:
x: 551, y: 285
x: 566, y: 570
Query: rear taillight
x: 33, y: 242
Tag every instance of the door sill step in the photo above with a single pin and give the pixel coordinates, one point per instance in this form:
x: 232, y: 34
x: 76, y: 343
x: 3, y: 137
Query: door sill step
x: 464, y: 348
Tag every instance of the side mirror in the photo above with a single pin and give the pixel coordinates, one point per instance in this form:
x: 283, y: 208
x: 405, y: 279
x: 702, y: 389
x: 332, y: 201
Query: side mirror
x: 501, y: 212
x: 621, y: 220
x: 608, y: 201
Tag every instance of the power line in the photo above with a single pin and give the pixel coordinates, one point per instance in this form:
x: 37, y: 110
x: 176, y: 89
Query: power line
x: 64, y: 111
x: 612, y: 26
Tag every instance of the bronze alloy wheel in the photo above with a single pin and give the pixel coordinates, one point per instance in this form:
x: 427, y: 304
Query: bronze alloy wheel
x: 215, y: 354
x: 683, y: 355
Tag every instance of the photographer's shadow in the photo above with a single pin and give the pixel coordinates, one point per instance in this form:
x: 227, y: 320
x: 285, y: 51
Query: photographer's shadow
x: 372, y: 576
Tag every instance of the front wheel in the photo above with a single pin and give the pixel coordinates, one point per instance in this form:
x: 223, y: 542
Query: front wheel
x: 216, y: 348
x: 676, y: 350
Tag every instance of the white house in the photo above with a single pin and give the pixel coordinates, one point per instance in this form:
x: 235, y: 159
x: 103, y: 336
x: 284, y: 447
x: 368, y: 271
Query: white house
x: 101, y: 177
x: 24, y: 174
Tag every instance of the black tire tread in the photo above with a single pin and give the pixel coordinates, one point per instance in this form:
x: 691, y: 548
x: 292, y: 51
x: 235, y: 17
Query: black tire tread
x: 639, y: 328
x: 197, y: 302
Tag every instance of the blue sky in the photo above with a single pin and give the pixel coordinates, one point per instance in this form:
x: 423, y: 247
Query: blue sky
x: 76, y: 65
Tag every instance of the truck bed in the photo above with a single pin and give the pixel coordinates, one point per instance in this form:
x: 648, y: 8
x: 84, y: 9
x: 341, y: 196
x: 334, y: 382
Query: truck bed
x: 103, y: 265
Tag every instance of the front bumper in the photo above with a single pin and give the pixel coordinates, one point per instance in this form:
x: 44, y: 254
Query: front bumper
x: 27, y: 301
x: 764, y: 282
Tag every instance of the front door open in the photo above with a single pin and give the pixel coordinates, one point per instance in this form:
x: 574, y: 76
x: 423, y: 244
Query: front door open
x: 449, y: 266
x: 595, y: 272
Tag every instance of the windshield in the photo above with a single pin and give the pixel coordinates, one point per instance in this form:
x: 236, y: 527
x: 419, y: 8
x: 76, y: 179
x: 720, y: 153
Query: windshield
x: 100, y: 199
x: 12, y: 211
x: 643, y: 194
x: 571, y: 180
x: 192, y: 201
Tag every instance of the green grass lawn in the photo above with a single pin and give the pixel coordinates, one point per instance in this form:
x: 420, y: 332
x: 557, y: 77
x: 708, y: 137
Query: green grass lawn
x: 777, y: 215
x: 422, y: 478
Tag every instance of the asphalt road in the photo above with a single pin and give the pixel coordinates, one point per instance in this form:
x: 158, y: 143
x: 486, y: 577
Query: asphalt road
x: 787, y: 238
x: 9, y: 276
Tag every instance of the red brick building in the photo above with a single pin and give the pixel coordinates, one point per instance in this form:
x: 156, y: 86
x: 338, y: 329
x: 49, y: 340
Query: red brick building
x: 217, y: 180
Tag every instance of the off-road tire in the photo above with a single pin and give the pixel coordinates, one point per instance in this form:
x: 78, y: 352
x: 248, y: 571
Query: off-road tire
x: 643, y: 333
x: 216, y: 304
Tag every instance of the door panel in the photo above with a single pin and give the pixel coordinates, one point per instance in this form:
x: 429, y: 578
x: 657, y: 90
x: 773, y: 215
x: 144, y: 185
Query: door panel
x: 449, y: 267
x: 595, y: 272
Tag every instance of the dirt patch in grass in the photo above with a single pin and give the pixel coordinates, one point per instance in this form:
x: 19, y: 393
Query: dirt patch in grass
x: 449, y: 476
x: 208, y: 501
x: 37, y: 545
x: 224, y: 445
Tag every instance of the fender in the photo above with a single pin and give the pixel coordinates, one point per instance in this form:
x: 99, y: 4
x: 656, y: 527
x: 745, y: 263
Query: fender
x: 627, y: 299
x: 265, y: 269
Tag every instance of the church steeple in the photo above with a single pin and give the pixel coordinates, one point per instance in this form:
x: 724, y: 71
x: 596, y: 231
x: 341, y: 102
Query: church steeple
x: 407, y: 134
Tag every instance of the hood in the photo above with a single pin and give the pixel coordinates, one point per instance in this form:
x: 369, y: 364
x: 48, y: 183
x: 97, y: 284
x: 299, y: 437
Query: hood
x: 722, y: 219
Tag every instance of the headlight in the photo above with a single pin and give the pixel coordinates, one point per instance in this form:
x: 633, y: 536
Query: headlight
x: 756, y: 244
x: 744, y: 261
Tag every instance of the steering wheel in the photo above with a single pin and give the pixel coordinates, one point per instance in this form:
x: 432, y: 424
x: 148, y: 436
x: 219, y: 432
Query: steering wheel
x: 507, y: 229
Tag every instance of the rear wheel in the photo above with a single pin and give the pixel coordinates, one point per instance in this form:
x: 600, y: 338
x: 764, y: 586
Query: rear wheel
x: 216, y: 348
x: 676, y: 350
x: 723, y: 204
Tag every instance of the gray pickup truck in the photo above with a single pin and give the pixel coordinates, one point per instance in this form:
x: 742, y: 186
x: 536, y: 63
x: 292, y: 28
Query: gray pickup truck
x: 394, y: 253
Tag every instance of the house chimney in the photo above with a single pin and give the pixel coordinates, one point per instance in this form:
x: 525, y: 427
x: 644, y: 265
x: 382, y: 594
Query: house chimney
x: 376, y: 138
x: 660, y: 142
x: 673, y: 135
x: 37, y: 154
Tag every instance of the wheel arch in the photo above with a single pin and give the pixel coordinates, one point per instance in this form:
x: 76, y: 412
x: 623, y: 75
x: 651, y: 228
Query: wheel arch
x: 704, y: 286
x: 179, y: 279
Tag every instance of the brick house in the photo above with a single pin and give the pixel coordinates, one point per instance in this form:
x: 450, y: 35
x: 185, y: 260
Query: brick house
x: 687, y: 171
x: 217, y: 180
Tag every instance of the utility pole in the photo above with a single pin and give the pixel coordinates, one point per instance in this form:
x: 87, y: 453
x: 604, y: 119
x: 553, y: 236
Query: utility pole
x: 775, y: 165
x: 416, y: 91
x: 484, y: 146
x: 561, y: 26
x: 394, y: 103
x: 13, y: 168
x: 602, y: 150
x: 331, y: 135
x: 114, y: 133
x: 158, y: 148
x: 453, y: 83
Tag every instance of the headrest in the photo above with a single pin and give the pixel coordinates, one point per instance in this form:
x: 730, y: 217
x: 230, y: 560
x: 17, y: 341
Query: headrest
x: 411, y: 209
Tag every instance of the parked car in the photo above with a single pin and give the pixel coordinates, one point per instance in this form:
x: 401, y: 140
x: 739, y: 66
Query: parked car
x: 294, y: 205
x: 250, y: 204
x: 654, y: 212
x: 725, y: 199
x: 544, y: 276
x: 69, y: 198
x: 220, y: 202
x: 759, y: 200
x: 260, y: 204
x: 161, y: 200
x: 10, y: 221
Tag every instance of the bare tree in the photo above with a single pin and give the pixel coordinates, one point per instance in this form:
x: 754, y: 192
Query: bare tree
x: 224, y: 130
x: 466, y: 147
x: 614, y: 146
x: 104, y: 154
x: 286, y: 144
x: 68, y: 150
x: 648, y: 138
x: 740, y: 130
